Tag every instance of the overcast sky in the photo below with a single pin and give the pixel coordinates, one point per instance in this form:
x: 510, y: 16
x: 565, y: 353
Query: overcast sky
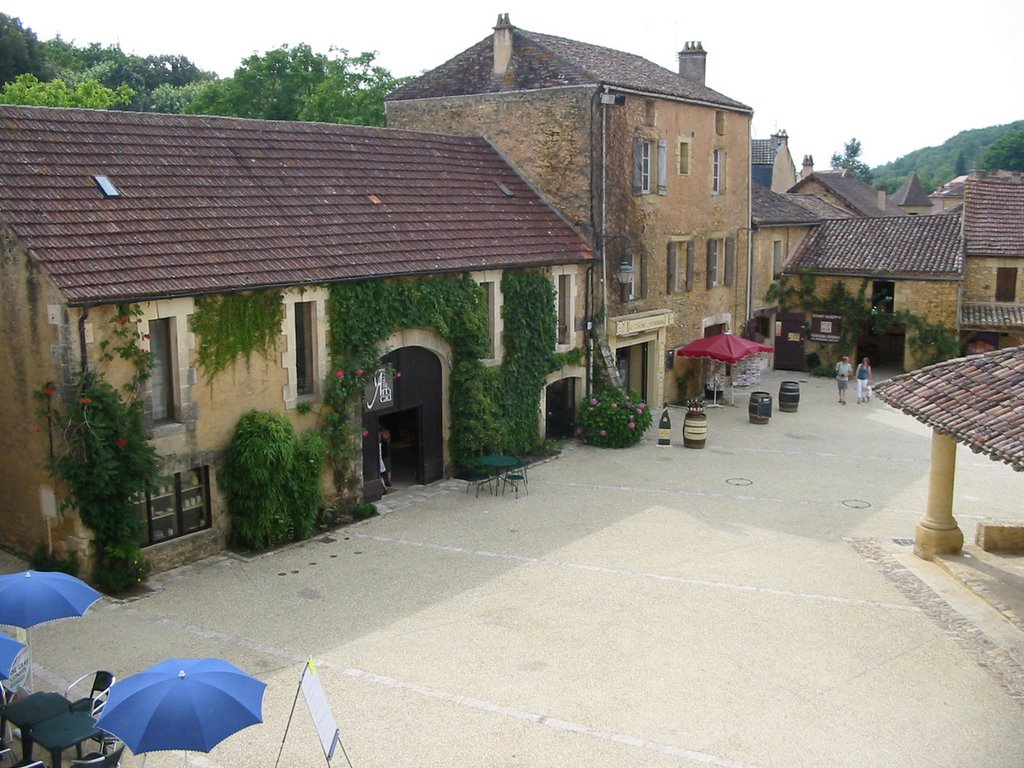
x: 896, y: 75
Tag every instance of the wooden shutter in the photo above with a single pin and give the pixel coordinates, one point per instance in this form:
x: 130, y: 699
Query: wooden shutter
x: 730, y: 260
x: 691, y: 259
x: 672, y: 267
x: 662, y: 167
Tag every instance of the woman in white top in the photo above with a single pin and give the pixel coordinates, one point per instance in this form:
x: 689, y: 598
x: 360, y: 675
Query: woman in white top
x: 864, y: 381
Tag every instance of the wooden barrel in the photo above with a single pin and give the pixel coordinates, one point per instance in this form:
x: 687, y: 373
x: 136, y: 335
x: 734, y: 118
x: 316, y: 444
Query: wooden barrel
x: 760, y: 409
x: 789, y: 396
x: 695, y: 430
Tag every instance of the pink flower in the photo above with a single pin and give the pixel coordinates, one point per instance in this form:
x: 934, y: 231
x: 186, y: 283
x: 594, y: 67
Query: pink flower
x: 359, y: 372
x: 121, y: 442
x: 398, y: 374
x: 593, y: 401
x: 579, y: 430
x: 615, y: 405
x: 366, y: 433
x: 340, y: 374
x: 631, y: 425
x: 604, y: 433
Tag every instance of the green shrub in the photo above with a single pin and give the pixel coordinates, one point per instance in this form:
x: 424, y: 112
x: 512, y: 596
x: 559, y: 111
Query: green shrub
x: 44, y: 560
x: 613, y: 418
x: 271, y: 480
x: 363, y: 511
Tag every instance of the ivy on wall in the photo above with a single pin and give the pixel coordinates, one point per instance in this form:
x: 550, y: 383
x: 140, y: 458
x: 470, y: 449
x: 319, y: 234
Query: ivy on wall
x: 493, y: 409
x: 235, y: 325
x: 929, y: 342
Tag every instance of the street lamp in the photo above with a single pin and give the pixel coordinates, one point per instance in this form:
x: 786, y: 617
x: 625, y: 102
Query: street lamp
x: 625, y: 274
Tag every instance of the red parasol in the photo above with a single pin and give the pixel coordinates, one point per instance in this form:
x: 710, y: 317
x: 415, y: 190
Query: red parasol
x: 724, y: 347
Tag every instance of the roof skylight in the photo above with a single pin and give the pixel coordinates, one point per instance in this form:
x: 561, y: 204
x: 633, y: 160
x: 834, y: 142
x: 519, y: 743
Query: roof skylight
x: 106, y: 186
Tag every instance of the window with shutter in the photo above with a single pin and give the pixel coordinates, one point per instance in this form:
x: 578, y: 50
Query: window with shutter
x: 1006, y: 284
x: 691, y: 263
x: 683, y: 157
x: 712, y: 276
x: 776, y: 258
x: 641, y: 166
x: 730, y: 260
x: 718, y: 171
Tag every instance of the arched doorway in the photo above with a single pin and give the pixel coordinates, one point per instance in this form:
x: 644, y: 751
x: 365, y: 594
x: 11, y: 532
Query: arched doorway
x: 407, y: 402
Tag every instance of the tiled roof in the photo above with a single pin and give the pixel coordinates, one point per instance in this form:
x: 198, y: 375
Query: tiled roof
x: 979, y: 316
x: 774, y: 209
x: 911, y: 193
x: 214, y: 204
x: 978, y: 401
x: 994, y: 216
x: 762, y: 151
x: 897, y: 245
x: 860, y: 197
x: 544, y: 61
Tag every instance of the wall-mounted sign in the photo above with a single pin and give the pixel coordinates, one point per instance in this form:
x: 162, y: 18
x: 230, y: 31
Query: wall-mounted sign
x: 825, y: 327
x: 379, y: 393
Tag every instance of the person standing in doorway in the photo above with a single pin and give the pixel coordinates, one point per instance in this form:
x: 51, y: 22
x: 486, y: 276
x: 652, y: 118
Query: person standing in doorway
x: 864, y: 381
x: 384, y: 449
x: 843, y: 372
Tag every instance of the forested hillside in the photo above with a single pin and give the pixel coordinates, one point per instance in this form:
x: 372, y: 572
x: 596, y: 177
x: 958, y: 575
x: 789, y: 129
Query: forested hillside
x: 937, y: 165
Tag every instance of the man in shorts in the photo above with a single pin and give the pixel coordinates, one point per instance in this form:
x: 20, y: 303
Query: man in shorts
x: 843, y: 372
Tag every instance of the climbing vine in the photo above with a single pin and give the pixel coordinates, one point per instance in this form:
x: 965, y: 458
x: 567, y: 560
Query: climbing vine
x: 235, y: 325
x: 497, y: 407
x: 929, y: 342
x: 100, y: 450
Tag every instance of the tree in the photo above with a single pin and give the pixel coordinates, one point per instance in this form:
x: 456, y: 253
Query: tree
x: 299, y: 84
x: 28, y: 89
x: 1007, y: 154
x: 850, y: 159
x: 20, y: 51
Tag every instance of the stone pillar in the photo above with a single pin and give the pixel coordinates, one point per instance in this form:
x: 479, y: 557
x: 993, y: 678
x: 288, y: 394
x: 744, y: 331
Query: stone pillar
x: 937, y: 532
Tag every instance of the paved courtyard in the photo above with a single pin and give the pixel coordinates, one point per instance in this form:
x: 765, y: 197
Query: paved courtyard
x: 755, y: 603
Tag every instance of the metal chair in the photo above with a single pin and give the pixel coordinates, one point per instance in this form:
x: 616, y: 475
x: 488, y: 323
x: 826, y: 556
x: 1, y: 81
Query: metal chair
x: 111, y: 759
x: 515, y: 477
x: 479, y: 476
x: 97, y: 698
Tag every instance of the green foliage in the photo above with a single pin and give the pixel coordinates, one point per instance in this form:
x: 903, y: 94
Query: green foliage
x: 235, y: 325
x: 850, y: 159
x: 107, y: 463
x: 90, y: 94
x: 363, y: 511
x: 929, y: 342
x: 22, y: 53
x: 44, y: 560
x: 613, y: 418
x: 1007, y: 154
x: 937, y: 165
x: 271, y: 481
x: 299, y: 84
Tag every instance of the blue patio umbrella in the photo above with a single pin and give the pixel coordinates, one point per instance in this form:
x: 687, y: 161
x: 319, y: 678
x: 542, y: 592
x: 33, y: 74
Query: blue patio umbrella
x: 187, y: 704
x: 36, y: 597
x: 9, y: 651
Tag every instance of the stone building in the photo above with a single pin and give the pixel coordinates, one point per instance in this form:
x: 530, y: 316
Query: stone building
x: 992, y: 312
x: 842, y: 188
x: 653, y: 166
x: 117, y: 227
x: 911, y: 264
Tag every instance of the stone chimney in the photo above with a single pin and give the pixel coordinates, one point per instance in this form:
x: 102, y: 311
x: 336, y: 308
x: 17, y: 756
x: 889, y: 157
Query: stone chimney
x: 693, y: 61
x: 779, y: 140
x: 808, y: 168
x: 502, y: 44
x: 881, y: 199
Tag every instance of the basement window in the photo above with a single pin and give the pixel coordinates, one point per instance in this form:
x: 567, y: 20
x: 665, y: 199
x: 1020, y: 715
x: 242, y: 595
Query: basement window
x: 106, y: 186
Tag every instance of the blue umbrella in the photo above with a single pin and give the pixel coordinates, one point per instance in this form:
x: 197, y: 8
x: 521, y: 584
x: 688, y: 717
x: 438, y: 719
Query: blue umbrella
x: 9, y: 651
x: 188, y: 704
x: 36, y: 597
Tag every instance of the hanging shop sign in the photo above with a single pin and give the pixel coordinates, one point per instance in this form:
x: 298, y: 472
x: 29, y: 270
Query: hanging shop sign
x: 379, y: 392
x: 825, y: 327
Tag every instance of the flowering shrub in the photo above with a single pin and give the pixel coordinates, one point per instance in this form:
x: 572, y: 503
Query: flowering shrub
x: 613, y: 418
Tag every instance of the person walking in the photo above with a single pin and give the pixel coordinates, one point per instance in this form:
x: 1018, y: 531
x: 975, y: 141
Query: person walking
x: 843, y: 372
x: 864, y: 381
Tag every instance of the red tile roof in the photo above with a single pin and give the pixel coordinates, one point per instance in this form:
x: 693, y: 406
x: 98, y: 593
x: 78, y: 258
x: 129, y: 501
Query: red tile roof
x: 978, y: 401
x: 919, y: 246
x: 994, y: 216
x: 211, y: 204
